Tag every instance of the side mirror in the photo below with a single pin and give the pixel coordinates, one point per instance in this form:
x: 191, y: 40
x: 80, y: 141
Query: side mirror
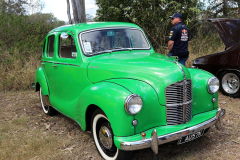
x: 64, y: 36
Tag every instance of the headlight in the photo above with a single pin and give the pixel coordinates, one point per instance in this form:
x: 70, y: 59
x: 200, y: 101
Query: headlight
x: 133, y: 104
x: 213, y: 85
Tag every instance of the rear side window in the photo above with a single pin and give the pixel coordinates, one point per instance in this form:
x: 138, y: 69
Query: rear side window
x: 43, y: 50
x: 67, y: 48
x: 50, y: 49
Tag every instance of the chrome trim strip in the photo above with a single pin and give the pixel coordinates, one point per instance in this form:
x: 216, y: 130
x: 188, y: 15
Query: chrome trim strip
x: 136, y: 145
x: 179, y: 104
x: 184, y: 75
x: 62, y: 63
x: 184, y: 99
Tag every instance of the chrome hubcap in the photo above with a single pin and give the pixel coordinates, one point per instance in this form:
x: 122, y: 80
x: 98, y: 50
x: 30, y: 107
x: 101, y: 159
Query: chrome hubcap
x: 105, y: 136
x: 230, y: 83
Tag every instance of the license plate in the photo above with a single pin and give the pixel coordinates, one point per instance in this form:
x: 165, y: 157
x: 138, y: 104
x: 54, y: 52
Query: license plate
x: 191, y: 137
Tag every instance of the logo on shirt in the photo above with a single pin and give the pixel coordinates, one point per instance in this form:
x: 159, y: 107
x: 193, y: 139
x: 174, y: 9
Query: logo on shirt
x: 184, y: 36
x: 184, y: 32
x: 170, y: 35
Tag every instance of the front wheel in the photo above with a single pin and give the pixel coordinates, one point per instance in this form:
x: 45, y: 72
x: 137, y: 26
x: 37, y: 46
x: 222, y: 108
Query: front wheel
x: 47, y: 108
x: 103, y: 138
x: 230, y: 84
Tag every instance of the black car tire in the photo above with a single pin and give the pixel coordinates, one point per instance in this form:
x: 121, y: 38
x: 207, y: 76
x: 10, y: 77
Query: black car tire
x: 47, y: 108
x: 229, y: 83
x: 105, y: 145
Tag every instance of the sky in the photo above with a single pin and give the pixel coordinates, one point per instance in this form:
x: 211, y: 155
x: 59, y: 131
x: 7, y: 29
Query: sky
x: 59, y: 8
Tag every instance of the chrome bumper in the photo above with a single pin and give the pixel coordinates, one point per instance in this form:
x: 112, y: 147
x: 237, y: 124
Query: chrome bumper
x: 154, y: 141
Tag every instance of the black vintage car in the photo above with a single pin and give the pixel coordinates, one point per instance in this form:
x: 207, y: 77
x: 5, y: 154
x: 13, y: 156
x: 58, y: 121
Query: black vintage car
x: 226, y: 64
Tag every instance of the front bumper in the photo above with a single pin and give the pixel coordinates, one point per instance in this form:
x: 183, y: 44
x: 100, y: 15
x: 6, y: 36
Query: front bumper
x: 154, y: 141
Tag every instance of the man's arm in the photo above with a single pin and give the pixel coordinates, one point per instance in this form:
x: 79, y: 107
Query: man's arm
x: 170, y: 45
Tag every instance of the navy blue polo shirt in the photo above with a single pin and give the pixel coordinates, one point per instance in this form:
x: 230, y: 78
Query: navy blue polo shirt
x: 180, y: 35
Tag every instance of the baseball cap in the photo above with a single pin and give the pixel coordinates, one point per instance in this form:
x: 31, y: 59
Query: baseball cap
x: 176, y: 15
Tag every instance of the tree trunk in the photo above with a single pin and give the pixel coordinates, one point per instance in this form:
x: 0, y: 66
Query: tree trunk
x: 75, y: 12
x: 225, y: 8
x: 79, y: 11
x: 68, y: 13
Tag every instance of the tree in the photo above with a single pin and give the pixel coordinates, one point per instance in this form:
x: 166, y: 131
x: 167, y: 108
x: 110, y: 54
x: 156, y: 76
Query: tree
x: 89, y: 18
x: 223, y: 8
x: 21, y: 7
x: 13, y: 6
x: 151, y: 15
x: 78, y: 7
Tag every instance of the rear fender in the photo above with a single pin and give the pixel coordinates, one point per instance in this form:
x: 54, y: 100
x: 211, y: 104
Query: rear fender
x: 41, y: 80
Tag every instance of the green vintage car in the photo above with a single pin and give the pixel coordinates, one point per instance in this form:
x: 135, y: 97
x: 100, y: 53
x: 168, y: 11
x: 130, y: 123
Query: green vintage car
x: 107, y: 77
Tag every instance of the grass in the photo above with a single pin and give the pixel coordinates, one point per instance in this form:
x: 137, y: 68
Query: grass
x: 27, y: 133
x: 17, y: 73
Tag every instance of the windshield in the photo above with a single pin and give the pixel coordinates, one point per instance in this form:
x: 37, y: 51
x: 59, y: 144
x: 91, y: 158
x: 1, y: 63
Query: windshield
x: 109, y: 40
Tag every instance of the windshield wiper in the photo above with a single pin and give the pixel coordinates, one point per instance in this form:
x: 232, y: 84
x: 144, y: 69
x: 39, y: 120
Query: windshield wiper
x: 105, y: 51
x: 110, y: 50
x: 120, y: 48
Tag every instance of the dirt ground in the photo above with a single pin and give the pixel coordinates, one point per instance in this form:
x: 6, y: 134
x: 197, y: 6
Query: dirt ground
x: 27, y: 133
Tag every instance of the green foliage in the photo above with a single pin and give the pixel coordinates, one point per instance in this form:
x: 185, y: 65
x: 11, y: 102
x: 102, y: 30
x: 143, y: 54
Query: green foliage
x: 222, y: 8
x: 152, y: 16
x: 13, y: 6
x: 21, y: 41
x: 26, y: 33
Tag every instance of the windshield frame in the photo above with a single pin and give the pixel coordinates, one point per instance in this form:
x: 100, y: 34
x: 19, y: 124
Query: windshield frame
x: 110, y: 51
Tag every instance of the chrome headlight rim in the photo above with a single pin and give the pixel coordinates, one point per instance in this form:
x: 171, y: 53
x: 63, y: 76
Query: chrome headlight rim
x: 126, y: 103
x: 209, y: 84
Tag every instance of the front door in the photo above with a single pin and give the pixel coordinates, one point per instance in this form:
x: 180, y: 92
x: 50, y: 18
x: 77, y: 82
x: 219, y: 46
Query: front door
x: 68, y: 83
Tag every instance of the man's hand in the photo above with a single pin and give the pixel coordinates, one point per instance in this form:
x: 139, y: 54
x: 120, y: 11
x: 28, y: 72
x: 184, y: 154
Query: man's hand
x: 170, y: 45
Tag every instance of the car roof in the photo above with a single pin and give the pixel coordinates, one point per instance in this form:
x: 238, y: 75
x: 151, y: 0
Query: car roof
x: 79, y: 27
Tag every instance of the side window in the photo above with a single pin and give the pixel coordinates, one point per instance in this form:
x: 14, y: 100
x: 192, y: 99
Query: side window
x: 43, y: 49
x: 67, y: 48
x: 137, y: 39
x: 50, y: 48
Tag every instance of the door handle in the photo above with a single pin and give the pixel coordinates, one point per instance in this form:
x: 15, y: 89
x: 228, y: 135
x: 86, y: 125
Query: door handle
x: 42, y: 63
x: 54, y: 65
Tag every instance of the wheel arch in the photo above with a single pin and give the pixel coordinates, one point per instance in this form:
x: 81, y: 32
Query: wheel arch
x: 37, y: 87
x: 110, y: 98
x: 224, y: 70
x: 40, y: 81
x: 89, y: 112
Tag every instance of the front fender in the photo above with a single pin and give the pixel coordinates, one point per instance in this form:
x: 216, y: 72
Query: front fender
x: 152, y: 114
x: 41, y: 79
x: 202, y: 99
x: 110, y: 98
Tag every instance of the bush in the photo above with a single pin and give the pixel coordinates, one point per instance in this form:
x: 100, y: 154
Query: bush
x: 21, y: 41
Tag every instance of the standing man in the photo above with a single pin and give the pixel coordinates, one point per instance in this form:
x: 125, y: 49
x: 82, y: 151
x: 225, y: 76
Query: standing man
x: 178, y: 39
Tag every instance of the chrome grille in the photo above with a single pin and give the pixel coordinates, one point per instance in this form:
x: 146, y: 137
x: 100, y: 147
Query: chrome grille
x: 179, y: 102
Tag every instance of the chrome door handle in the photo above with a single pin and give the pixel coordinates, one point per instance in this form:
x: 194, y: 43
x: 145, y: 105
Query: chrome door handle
x: 54, y: 65
x: 42, y: 63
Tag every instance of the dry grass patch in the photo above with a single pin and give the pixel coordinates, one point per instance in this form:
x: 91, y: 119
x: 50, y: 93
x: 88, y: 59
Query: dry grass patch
x: 27, y: 133
x: 17, y: 73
